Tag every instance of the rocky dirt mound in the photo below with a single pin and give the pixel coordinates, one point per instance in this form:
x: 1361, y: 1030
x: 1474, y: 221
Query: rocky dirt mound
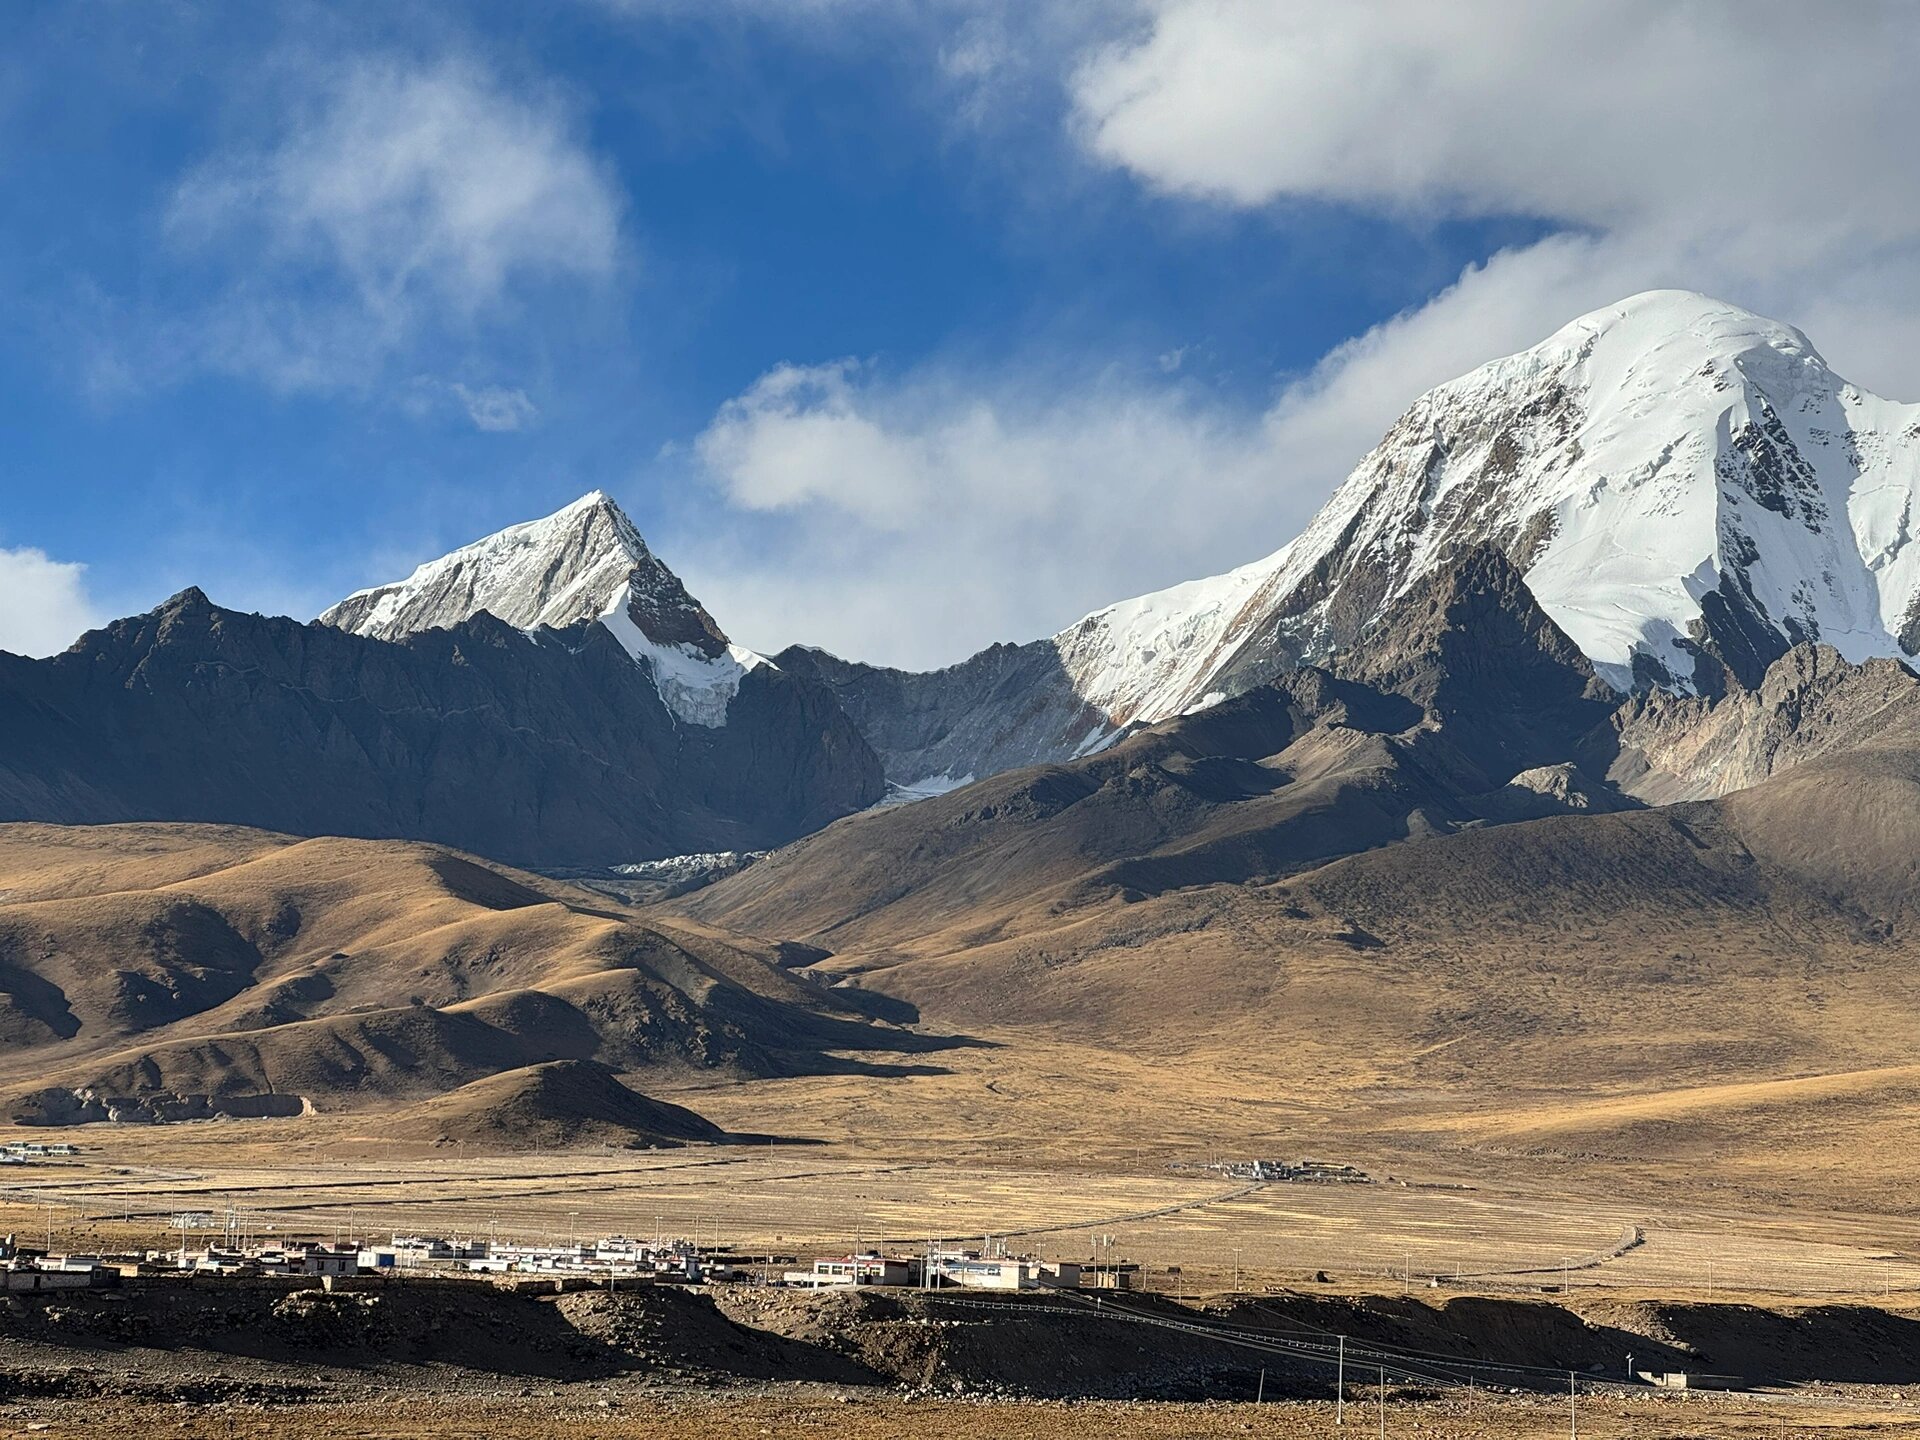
x: 1039, y: 1348
x: 685, y: 1332
x: 543, y: 1107
x: 276, y: 1337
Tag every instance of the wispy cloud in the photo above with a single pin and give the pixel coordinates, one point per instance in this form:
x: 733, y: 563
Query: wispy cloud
x: 498, y: 408
x: 382, y: 210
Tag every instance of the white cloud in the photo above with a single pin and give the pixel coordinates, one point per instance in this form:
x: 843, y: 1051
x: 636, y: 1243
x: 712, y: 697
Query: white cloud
x: 44, y: 605
x: 1754, y: 149
x: 913, y: 521
x: 1623, y: 112
x: 496, y: 407
x: 389, y: 204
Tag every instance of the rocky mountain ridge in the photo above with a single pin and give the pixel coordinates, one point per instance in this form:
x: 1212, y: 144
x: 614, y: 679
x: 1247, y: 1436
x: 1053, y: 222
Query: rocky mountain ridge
x: 549, y: 747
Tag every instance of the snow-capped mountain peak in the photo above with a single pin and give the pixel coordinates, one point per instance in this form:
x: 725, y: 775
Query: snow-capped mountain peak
x: 1687, y: 486
x: 585, y: 562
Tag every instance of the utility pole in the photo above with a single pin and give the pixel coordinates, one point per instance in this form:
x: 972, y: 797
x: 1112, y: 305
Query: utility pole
x: 1573, y: 1413
x: 1340, y: 1388
x: 1260, y: 1395
x: 1383, y: 1402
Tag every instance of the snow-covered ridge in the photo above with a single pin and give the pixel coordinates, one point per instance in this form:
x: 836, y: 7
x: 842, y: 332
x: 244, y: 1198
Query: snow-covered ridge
x: 554, y: 571
x: 1153, y: 657
x: 1681, y: 481
x: 584, y: 562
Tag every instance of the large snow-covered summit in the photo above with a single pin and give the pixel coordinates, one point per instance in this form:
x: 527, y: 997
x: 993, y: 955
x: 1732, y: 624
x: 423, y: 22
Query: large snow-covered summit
x: 1687, y: 487
x: 585, y: 562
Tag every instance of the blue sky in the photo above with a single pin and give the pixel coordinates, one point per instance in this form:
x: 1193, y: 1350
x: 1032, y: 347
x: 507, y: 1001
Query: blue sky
x: 898, y: 328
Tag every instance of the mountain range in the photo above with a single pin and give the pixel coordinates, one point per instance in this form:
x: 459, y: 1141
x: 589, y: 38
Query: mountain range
x: 1688, y: 491
x: 1602, y: 652
x: 578, y: 732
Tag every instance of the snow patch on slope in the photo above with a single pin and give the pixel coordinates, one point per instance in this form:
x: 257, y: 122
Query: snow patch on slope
x: 555, y: 571
x: 696, y: 687
x: 1147, y: 659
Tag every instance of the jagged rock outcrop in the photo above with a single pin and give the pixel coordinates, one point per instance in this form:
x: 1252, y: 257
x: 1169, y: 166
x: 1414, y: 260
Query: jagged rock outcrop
x: 1493, y: 673
x: 1810, y: 703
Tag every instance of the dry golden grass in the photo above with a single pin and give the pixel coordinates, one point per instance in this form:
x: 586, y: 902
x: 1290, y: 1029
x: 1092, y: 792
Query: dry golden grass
x: 1545, y: 1069
x: 152, y: 960
x: 1492, y: 1221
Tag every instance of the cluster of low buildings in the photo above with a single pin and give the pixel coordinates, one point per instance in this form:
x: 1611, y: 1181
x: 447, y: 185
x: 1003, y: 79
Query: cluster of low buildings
x: 25, y: 1152
x: 940, y: 1268
x: 608, y: 1257
x: 24, y: 1268
x: 228, y: 1253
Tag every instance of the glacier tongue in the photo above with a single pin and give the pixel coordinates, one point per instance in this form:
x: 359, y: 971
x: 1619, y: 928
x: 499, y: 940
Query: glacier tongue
x: 585, y: 562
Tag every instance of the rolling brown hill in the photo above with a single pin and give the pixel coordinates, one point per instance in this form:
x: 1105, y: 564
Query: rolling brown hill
x: 551, y: 1106
x: 163, y: 972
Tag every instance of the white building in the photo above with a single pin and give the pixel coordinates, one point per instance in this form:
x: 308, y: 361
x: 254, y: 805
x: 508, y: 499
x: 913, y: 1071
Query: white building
x: 870, y: 1268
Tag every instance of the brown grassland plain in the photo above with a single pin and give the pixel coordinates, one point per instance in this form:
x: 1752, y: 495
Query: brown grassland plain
x: 1545, y: 1099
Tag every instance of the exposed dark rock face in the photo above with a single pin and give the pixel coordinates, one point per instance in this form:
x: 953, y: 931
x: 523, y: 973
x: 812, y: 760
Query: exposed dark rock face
x: 1470, y: 706
x: 659, y: 605
x: 1503, y: 683
x: 1009, y: 705
x: 550, y: 749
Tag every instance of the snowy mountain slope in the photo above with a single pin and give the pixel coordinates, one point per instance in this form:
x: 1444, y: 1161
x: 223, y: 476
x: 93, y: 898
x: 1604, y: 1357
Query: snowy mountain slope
x: 1688, y: 489
x: 584, y: 562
